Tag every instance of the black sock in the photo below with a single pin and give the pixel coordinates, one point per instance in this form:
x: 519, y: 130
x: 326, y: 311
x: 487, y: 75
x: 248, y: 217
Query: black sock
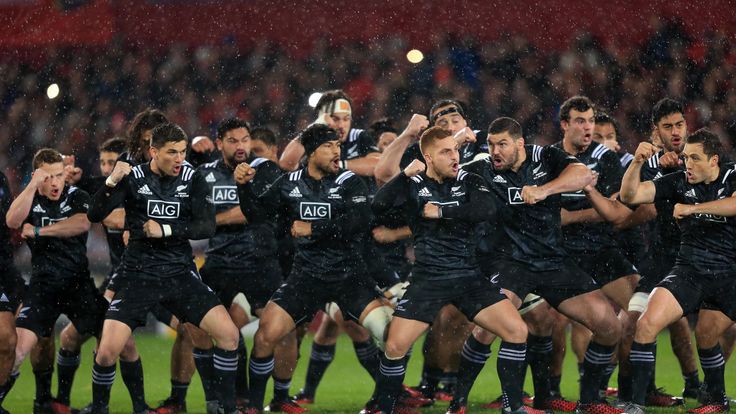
x: 472, y: 360
x: 5, y: 388
x: 203, y: 362
x: 281, y: 389
x: 624, y: 387
x: 554, y: 384
x: 43, y: 384
x: 319, y: 360
x: 448, y: 380
x: 132, y: 373
x: 539, y: 357
x: 606, y: 376
x: 713, y: 365
x: 367, y: 353
x: 388, y: 384
x: 511, y: 365
x: 179, y: 391
x: 581, y: 369
x: 692, y: 381
x: 259, y: 371
x: 225, y: 365
x: 102, y: 380
x: 431, y: 381
x: 67, y: 363
x: 642, y: 358
x: 597, y: 358
x: 241, y: 377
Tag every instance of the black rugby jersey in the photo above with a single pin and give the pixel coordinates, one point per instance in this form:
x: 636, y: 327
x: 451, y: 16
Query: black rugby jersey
x: 182, y: 202
x: 238, y: 246
x: 115, y: 243
x: 708, y: 241
x: 467, y: 151
x: 6, y: 198
x: 533, y: 232
x: 665, y: 234
x: 336, y: 206
x: 445, y: 248
x: 58, y: 257
x: 585, y: 238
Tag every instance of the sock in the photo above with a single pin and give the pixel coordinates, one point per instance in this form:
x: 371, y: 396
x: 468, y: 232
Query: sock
x: 281, y: 389
x: 431, y: 381
x: 624, y: 387
x: 692, y: 381
x: 597, y: 358
x: 388, y: 384
x: 241, y: 377
x: 539, y: 357
x: 642, y: 370
x: 581, y: 369
x: 472, y: 359
x: 448, y: 380
x: 259, y: 371
x: 102, y: 380
x: 554, y: 385
x: 179, y: 391
x: 713, y: 365
x: 43, y: 384
x: 367, y: 353
x: 511, y: 365
x: 203, y: 362
x: 132, y: 373
x: 67, y: 363
x: 319, y: 360
x: 606, y: 376
x: 5, y: 388
x: 225, y: 365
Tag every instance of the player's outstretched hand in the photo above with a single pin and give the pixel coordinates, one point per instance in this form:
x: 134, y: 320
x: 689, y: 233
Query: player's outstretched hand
x: 244, y: 173
x: 416, y: 167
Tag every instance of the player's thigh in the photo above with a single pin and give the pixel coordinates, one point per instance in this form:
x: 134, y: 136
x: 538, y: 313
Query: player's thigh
x: 401, y: 336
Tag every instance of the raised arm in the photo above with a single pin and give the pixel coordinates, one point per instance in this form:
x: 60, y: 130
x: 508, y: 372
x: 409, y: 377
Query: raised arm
x: 21, y: 206
x: 633, y: 191
x: 388, y: 165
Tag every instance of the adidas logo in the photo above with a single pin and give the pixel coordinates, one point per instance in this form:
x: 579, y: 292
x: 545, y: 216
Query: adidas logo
x: 145, y: 190
x: 4, y: 298
x: 499, y: 179
x: 691, y: 193
x: 295, y: 193
x: 210, y: 178
x: 424, y: 192
x: 38, y: 209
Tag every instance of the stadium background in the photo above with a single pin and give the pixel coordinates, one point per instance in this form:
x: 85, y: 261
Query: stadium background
x: 201, y: 61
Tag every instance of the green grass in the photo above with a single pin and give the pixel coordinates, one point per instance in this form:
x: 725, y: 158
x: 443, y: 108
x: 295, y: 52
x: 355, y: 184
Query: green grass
x: 345, y: 388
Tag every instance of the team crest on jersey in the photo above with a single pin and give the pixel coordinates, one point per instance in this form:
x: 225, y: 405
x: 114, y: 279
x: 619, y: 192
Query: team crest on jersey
x: 225, y: 194
x: 333, y: 193
x: 163, y: 209
x: 314, y: 211
x: 537, y: 173
x: 515, y: 195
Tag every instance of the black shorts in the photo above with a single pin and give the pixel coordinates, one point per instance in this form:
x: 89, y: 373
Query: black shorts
x: 655, y: 266
x: 694, y: 290
x: 257, y: 282
x: 12, y: 288
x: 77, y: 298
x: 161, y: 314
x: 302, y: 295
x: 424, y: 298
x: 605, y: 265
x: 555, y: 286
x: 185, y: 296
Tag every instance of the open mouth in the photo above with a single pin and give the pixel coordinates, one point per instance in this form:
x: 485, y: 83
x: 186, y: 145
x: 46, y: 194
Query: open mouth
x: 335, y: 163
x: 240, y: 155
x: 676, y: 142
x: 55, y: 192
x: 176, y: 169
x: 455, y: 167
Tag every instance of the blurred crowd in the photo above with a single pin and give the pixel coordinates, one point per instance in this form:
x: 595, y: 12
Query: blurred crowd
x: 198, y: 86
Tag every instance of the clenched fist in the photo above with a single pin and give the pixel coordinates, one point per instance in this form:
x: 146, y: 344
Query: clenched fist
x: 119, y: 172
x: 153, y: 230
x: 416, y: 167
x: 244, y: 173
x: 301, y: 229
x: 531, y: 194
x: 644, y: 152
x: 464, y: 135
x: 416, y: 125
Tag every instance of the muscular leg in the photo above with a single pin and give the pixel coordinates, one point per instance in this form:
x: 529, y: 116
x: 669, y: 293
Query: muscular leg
x: 7, y: 352
x: 42, y: 361
x: 559, y: 348
x: 218, y: 325
x: 708, y: 331
x: 115, y: 335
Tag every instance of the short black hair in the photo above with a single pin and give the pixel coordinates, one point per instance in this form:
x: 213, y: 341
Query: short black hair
x: 264, y: 134
x: 382, y: 125
x: 168, y: 132
x: 46, y: 156
x: 329, y: 97
x: 442, y: 103
x: 505, y: 124
x: 230, y: 124
x: 115, y: 144
x: 603, y: 118
x: 147, y: 119
x: 666, y: 106
x: 712, y: 144
x: 578, y: 103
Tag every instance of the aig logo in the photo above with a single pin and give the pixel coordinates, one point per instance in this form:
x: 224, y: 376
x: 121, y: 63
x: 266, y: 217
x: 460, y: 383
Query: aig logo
x: 45, y: 221
x: 224, y: 194
x: 314, y: 211
x: 515, y: 195
x: 163, y: 209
